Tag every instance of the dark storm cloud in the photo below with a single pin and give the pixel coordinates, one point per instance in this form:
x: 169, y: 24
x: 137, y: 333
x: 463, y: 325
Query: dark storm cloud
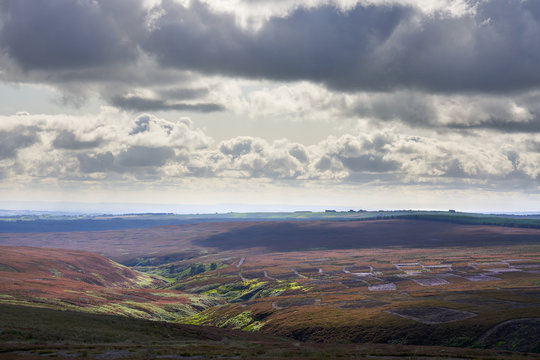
x: 320, y: 44
x: 65, y: 34
x: 184, y: 93
x: 137, y: 103
x: 375, y: 47
x: 366, y: 48
x: 504, y: 125
x: 15, y: 139
x: 68, y: 140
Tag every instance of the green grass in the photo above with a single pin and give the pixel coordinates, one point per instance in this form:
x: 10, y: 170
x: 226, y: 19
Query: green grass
x: 238, y: 291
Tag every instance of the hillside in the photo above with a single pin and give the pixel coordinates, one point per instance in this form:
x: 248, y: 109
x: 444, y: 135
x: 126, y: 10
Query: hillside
x: 393, y: 281
x: 28, y: 333
x: 190, y: 240
x: 83, y: 281
x: 11, y: 222
x: 71, y: 266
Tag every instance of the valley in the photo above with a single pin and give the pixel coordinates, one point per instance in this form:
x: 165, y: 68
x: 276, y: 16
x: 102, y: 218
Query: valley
x: 395, y: 282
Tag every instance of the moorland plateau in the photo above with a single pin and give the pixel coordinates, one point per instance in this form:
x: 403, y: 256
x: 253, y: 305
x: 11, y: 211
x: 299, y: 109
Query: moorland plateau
x: 297, y: 285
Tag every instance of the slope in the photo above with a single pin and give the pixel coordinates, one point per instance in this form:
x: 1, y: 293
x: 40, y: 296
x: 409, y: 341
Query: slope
x: 79, y: 280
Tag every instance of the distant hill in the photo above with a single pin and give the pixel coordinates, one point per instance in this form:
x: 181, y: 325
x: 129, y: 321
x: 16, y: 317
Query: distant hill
x: 23, y: 222
x: 126, y: 246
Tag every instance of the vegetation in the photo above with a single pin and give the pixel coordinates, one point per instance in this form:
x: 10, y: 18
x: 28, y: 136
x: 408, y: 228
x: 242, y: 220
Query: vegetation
x: 37, y: 333
x: 401, y: 282
x: 472, y: 219
x: 48, y: 223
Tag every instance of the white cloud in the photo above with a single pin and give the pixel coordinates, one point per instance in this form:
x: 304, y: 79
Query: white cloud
x: 114, y: 147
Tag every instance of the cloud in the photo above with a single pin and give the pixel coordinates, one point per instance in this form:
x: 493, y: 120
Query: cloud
x: 96, y: 162
x: 365, y: 47
x: 446, y: 93
x: 255, y: 157
x: 147, y: 148
x: 242, y: 145
x: 502, y: 113
x: 184, y: 93
x: 477, y: 46
x: 370, y: 163
x: 142, y: 124
x: 151, y: 131
x: 211, y: 42
x: 83, y: 48
x: 140, y: 104
x: 59, y: 35
x: 130, y: 160
x: 145, y: 156
x: 68, y: 140
x: 20, y: 137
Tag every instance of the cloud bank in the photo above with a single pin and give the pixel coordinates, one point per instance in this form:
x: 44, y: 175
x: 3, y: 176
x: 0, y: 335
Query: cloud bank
x: 459, y: 65
x: 486, y: 47
x: 439, y: 93
x: 148, y: 148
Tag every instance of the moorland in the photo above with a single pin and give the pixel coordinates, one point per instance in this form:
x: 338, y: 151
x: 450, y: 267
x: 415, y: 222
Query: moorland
x: 296, y: 285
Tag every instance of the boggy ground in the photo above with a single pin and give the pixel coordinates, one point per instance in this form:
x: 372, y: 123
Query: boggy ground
x: 386, y: 281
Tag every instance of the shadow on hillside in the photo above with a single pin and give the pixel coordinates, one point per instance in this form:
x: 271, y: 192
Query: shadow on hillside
x: 292, y: 236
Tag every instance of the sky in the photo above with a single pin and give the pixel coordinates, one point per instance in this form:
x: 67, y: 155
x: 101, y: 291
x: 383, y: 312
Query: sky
x: 236, y: 105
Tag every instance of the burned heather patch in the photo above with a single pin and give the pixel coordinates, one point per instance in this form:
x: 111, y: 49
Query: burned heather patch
x: 353, y: 283
x: 358, y: 304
